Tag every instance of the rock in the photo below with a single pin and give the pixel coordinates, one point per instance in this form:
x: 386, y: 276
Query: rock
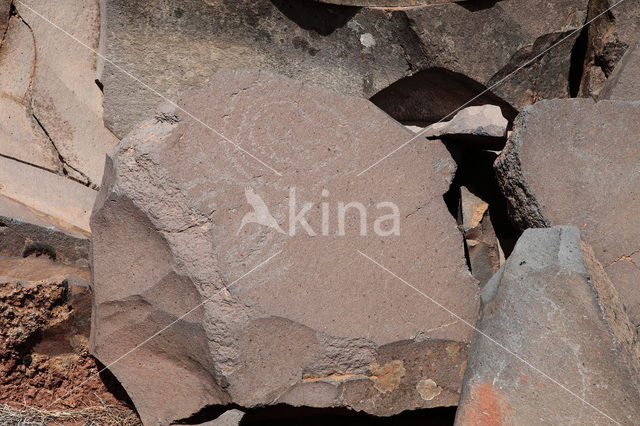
x: 552, y: 306
x: 177, y: 223
x: 24, y: 231
x: 583, y: 173
x: 483, y: 248
x: 624, y: 83
x: 61, y: 201
x: 483, y: 125
x: 607, y: 39
x: 418, y: 64
x: 384, y: 3
x: 228, y: 418
x: 64, y: 97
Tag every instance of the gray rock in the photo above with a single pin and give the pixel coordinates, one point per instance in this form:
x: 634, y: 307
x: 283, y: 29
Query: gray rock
x: 175, y: 225
x: 419, y: 64
x: 575, y: 162
x: 576, y: 352
x: 624, y: 82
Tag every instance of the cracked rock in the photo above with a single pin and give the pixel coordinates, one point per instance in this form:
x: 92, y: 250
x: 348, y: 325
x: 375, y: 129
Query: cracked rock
x: 294, y: 314
x: 582, y: 172
x: 551, y: 305
x: 624, y: 83
x: 64, y: 97
x: 433, y: 58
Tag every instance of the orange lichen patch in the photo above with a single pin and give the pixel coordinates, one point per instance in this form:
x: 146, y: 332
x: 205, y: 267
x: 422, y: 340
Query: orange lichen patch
x: 487, y: 406
x: 336, y: 377
x: 387, y: 377
x: 428, y: 389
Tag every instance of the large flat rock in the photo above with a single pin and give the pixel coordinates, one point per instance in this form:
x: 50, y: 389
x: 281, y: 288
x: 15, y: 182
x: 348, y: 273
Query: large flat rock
x: 554, y: 345
x: 421, y: 63
x: 317, y: 324
x: 576, y: 162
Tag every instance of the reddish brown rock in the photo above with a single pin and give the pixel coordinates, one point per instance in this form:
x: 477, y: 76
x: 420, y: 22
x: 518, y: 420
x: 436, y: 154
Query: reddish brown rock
x: 554, y: 344
x: 584, y: 173
x: 175, y: 225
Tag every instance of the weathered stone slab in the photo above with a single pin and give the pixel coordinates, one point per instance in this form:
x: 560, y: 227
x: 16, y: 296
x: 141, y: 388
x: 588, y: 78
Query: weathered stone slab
x: 177, y: 223
x: 582, y: 171
x: 421, y: 63
x: 624, y: 82
x: 62, y: 201
x: 64, y: 96
x: 552, y: 305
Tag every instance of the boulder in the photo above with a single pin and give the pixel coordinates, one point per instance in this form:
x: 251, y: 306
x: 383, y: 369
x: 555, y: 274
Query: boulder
x: 553, y: 344
x: 293, y: 314
x: 417, y: 63
x: 63, y: 97
x: 584, y: 173
x: 607, y: 39
x: 624, y: 82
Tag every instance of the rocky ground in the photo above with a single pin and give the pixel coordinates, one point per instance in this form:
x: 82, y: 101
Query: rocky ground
x: 314, y: 211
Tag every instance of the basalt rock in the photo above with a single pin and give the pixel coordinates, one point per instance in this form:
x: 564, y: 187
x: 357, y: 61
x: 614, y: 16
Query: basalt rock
x: 580, y: 171
x: 554, y: 344
x: 294, y: 314
x: 624, y: 82
x: 418, y: 64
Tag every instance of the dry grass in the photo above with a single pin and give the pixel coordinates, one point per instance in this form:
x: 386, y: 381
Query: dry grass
x: 89, y: 416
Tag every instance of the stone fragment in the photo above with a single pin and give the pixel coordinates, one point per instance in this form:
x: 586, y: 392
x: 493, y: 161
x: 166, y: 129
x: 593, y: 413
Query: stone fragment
x: 624, y: 82
x: 613, y: 28
x: 483, y: 248
x: 61, y: 201
x: 483, y: 125
x: 184, y: 217
x: 576, y: 352
x: 418, y: 64
x: 23, y: 231
x: 65, y: 98
x: 584, y: 173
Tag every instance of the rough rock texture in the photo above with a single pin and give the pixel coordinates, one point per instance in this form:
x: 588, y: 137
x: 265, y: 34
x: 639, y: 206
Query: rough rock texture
x: 551, y: 305
x: 607, y: 39
x: 421, y: 63
x: 624, y: 83
x: 44, y: 336
x: 62, y: 201
x: 23, y: 231
x: 483, y: 248
x: 318, y: 324
x: 583, y: 173
x: 51, y: 105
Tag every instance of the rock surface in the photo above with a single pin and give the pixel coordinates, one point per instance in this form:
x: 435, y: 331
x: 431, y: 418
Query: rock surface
x: 583, y: 172
x: 418, y: 63
x: 624, y: 82
x: 552, y: 305
x: 60, y: 200
x: 51, y: 106
x: 483, y: 125
x: 316, y: 325
x: 483, y: 247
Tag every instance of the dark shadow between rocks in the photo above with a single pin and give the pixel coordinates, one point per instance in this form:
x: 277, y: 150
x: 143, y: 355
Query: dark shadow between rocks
x: 283, y: 414
x: 474, y: 6
x: 432, y: 95
x: 322, y: 18
x: 475, y: 171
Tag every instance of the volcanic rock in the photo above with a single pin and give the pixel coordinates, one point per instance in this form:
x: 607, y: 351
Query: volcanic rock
x: 418, y: 64
x: 581, y: 171
x: 243, y: 248
x: 553, y: 342
x: 624, y: 83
